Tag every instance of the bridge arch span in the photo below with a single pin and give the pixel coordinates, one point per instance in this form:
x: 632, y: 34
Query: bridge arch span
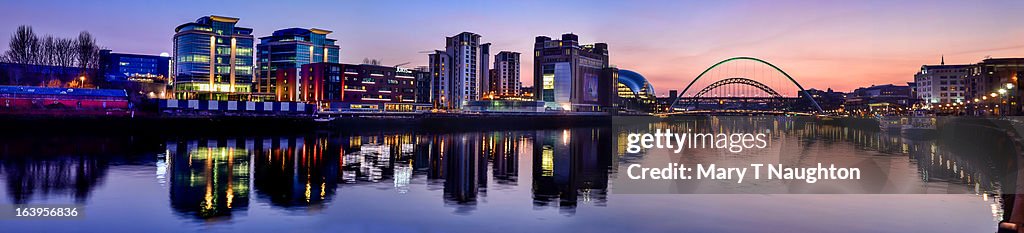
x: 776, y: 68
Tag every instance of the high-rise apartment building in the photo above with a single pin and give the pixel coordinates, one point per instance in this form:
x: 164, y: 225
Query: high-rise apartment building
x: 570, y: 76
x: 213, y: 59
x: 461, y: 71
x: 280, y: 56
x: 505, y: 76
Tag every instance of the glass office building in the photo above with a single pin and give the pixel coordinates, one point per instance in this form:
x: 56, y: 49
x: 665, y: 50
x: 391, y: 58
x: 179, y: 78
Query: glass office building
x: 213, y: 60
x: 280, y: 56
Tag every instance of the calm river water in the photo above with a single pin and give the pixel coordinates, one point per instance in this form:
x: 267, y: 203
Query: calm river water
x: 406, y: 180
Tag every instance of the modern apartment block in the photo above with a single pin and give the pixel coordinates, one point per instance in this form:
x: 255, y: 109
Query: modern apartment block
x: 570, y: 76
x: 213, y: 59
x: 461, y: 71
x: 280, y: 56
x: 504, y: 78
x: 941, y: 84
x: 337, y: 86
x: 441, y: 79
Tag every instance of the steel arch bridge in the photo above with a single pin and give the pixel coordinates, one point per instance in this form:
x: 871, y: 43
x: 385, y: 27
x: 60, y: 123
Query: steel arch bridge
x: 772, y: 96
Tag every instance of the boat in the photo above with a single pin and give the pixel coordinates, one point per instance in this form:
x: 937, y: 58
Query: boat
x: 920, y: 125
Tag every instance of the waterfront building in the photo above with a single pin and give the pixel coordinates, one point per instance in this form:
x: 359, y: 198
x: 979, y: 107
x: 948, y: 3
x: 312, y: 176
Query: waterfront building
x: 213, y: 59
x: 143, y: 76
x: 504, y: 77
x: 440, y: 79
x: 941, y: 84
x: 993, y: 87
x: 829, y: 100
x: 368, y: 87
x: 280, y: 55
x: 570, y: 76
x: 424, y: 84
x: 634, y: 91
x: 885, y: 99
x: 665, y: 102
x: 460, y: 72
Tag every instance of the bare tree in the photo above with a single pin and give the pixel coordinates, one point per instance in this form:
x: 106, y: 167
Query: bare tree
x: 24, y: 46
x: 88, y: 52
x: 49, y: 57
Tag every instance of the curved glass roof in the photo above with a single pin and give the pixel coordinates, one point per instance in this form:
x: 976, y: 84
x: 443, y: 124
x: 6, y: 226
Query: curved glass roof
x: 635, y: 81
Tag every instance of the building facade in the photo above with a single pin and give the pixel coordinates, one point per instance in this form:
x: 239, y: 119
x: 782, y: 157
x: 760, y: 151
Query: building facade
x: 941, y: 84
x: 885, y: 99
x: 441, y: 83
x: 134, y: 67
x: 337, y: 86
x: 280, y: 56
x: 570, y: 76
x: 504, y: 77
x: 213, y: 59
x: 424, y: 84
x: 635, y: 92
x: 993, y: 87
x: 142, y: 76
x: 461, y: 71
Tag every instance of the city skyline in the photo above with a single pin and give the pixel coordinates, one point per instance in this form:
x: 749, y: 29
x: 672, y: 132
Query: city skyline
x: 862, y: 43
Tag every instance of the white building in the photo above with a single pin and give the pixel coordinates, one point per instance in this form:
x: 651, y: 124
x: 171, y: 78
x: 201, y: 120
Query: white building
x: 461, y: 71
x: 940, y: 84
x: 505, y: 78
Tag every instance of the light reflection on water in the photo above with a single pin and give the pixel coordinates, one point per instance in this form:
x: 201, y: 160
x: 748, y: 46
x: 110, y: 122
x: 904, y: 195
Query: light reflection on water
x: 548, y: 180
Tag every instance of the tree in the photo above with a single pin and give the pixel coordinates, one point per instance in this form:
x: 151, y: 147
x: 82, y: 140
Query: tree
x: 48, y: 58
x: 24, y: 46
x: 88, y: 52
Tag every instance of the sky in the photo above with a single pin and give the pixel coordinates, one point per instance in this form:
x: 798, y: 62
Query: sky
x: 823, y: 44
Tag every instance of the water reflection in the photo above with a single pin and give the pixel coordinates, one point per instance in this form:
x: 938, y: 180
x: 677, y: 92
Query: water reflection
x: 559, y: 171
x: 209, y: 178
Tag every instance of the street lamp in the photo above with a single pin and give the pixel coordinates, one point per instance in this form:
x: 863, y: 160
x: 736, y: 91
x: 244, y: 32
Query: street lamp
x: 1009, y: 86
x: 1002, y: 91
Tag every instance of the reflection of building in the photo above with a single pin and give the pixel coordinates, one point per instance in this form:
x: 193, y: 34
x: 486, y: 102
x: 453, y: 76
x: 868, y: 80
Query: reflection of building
x: 993, y: 86
x: 295, y: 172
x: 213, y: 59
x: 880, y: 99
x: 634, y: 91
x: 209, y: 179
x: 570, y: 76
x: 282, y: 54
x: 465, y: 171
x: 358, y: 87
x: 504, y: 149
x: 142, y: 76
x: 571, y: 166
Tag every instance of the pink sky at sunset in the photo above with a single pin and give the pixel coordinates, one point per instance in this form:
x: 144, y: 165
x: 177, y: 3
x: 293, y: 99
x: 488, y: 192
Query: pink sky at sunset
x: 841, y: 45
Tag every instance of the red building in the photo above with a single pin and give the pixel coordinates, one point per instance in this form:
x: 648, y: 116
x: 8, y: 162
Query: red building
x: 30, y: 100
x: 338, y: 86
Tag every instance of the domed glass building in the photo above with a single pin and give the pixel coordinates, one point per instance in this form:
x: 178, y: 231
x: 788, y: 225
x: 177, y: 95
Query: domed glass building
x: 634, y: 91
